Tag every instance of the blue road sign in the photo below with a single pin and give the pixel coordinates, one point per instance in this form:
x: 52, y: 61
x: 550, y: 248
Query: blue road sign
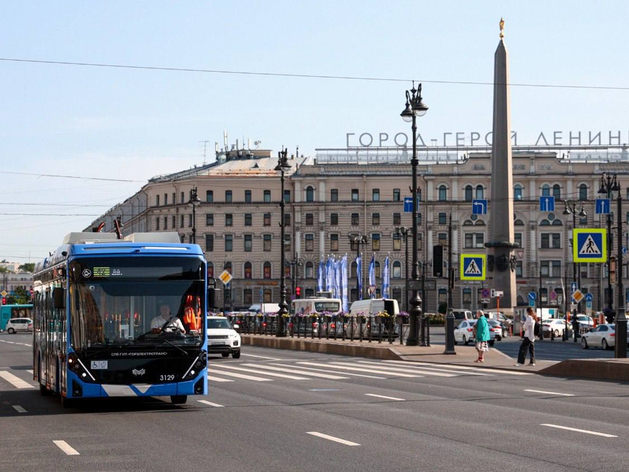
x: 408, y: 204
x: 532, y: 296
x: 602, y: 206
x: 479, y: 207
x: 531, y: 303
x: 547, y: 203
x: 573, y: 287
x: 588, y: 304
x: 591, y: 244
x: 589, y: 297
x: 473, y: 266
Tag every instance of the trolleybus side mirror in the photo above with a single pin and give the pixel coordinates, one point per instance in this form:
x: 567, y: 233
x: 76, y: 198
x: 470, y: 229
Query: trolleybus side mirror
x: 59, y: 295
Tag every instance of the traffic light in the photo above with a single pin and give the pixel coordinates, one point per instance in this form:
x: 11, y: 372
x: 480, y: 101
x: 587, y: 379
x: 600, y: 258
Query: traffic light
x: 609, y: 315
x: 490, y: 262
x: 298, y: 292
x: 4, y: 300
x: 437, y: 268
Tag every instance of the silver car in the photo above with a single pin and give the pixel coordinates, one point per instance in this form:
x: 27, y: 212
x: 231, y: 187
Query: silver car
x: 19, y: 324
x: 464, y: 333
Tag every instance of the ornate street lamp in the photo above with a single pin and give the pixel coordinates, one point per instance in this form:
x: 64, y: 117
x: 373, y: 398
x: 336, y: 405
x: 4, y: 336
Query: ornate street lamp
x: 282, y: 166
x: 194, y: 202
x: 357, y: 239
x: 403, y: 231
x: 571, y: 209
x: 415, y: 107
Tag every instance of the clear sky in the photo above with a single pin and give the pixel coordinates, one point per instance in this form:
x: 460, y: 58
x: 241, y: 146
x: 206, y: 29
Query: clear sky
x: 133, y: 124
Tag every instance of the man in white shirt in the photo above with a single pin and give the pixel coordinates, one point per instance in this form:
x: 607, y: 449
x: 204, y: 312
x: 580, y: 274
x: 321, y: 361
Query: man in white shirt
x: 165, y: 322
x: 528, y: 341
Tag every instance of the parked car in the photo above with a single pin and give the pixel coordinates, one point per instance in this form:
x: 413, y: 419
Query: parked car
x: 556, y: 327
x: 461, y: 314
x: 503, y: 319
x: 498, y: 329
x: 19, y: 324
x: 222, y: 337
x: 464, y: 333
x: 603, y: 336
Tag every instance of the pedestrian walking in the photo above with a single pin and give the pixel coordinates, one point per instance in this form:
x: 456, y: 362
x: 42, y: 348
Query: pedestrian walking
x: 528, y: 341
x: 481, y: 329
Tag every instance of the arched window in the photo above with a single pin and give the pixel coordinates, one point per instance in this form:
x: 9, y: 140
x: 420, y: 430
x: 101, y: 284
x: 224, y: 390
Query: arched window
x: 518, y: 223
x: 309, y: 272
x: 583, y: 192
x: 266, y: 270
x: 397, y: 270
x: 479, y: 192
x: 377, y: 269
x: 268, y: 295
x: 228, y: 267
x: 517, y: 192
x: 287, y: 271
x: 545, y: 190
x: 310, y: 194
x: 467, y: 296
x: 248, y: 270
x: 557, y: 191
x: 468, y: 193
x: 443, y: 193
x: 210, y: 269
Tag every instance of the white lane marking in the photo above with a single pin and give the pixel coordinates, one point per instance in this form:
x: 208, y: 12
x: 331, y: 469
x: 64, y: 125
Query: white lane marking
x: 272, y: 374
x: 426, y: 369
x: 246, y: 377
x: 332, y: 438
x: 215, y: 405
x: 9, y: 342
x: 211, y: 378
x: 352, y: 374
x: 459, y: 367
x: 13, y: 380
x: 299, y: 371
x: 262, y: 357
x: 551, y: 393
x: 580, y: 430
x: 65, y: 447
x: 30, y: 371
x: 407, y: 370
x: 386, y: 398
x: 19, y: 409
x: 339, y: 365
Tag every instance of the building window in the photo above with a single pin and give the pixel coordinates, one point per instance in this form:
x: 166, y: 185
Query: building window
x: 334, y: 219
x: 474, y: 240
x: 310, y: 194
x: 479, y: 192
x: 443, y: 219
x: 355, y: 219
x: 397, y: 218
x: 210, y: 270
x: 309, y: 272
x: 334, y: 195
x: 183, y: 197
x: 443, y: 193
x: 248, y: 271
x: 229, y: 242
x: 518, y: 239
x: 583, y: 192
x: 397, y: 242
x: 309, y: 219
x: 157, y: 223
x: 268, y: 295
x: 355, y: 195
x: 397, y: 195
x: 209, y: 219
x: 286, y: 219
x: 266, y: 270
x: 247, y: 296
x: 467, y: 296
x: 517, y: 192
x: 468, y: 193
x: 551, y: 268
x: 442, y: 239
x: 267, y: 242
x: 375, y: 219
x: 156, y: 200
x: 286, y: 196
x: 375, y: 195
x: 247, y: 196
x: 545, y: 190
x: 181, y: 221
x: 165, y: 222
x: 397, y: 270
x: 229, y: 219
x: 267, y: 219
x: 557, y: 191
x: 248, y: 219
x: 551, y: 240
x: 165, y: 199
x: 310, y: 242
x: 287, y: 243
x: 173, y: 221
x: 228, y: 196
x: 334, y: 242
x: 209, y: 197
x: 189, y: 221
x: 267, y: 196
x: 375, y: 242
x: 443, y: 295
x: 376, y: 267
x: 518, y: 269
x: 248, y: 242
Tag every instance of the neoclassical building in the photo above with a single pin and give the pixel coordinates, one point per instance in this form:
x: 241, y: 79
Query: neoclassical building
x: 342, y: 196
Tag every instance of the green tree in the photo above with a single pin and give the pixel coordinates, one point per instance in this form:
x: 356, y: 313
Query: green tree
x: 21, y: 297
x: 28, y: 267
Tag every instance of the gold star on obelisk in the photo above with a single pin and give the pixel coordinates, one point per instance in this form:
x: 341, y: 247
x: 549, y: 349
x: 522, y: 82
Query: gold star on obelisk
x: 502, y: 27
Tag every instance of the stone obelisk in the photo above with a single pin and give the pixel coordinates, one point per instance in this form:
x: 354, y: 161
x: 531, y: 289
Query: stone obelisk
x: 501, y: 236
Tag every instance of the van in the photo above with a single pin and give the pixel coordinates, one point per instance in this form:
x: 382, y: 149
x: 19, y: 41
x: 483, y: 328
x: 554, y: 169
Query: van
x: 373, y: 306
x: 317, y: 305
x: 265, y: 308
x: 461, y: 314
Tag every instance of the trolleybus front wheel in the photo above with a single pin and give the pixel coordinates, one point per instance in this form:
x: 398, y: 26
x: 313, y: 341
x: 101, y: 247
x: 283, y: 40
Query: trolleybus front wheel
x: 178, y: 399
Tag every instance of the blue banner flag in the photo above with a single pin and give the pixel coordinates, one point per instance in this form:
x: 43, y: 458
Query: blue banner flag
x: 320, y: 276
x: 344, y: 294
x: 359, y: 274
x: 372, y: 276
x: 385, y: 279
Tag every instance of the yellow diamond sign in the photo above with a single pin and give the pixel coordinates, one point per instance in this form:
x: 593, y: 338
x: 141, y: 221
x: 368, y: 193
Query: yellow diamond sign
x: 225, y: 277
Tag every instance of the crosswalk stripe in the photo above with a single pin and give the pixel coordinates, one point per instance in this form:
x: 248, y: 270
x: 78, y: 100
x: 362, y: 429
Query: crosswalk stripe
x: 351, y: 374
x: 19, y: 409
x: 243, y: 376
x: 14, y: 380
x: 385, y: 397
x: 272, y: 374
x: 460, y: 367
x: 407, y: 370
x: 211, y: 378
x: 338, y: 365
x: 430, y: 368
x: 30, y: 371
x: 215, y: 405
x: 298, y: 371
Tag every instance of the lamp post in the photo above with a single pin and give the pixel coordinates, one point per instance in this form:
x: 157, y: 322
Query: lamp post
x: 610, y: 184
x: 450, y: 315
x: 295, y: 264
x: 403, y: 231
x: 571, y: 209
x: 194, y: 202
x: 414, y: 108
x: 282, y: 166
x: 358, y: 239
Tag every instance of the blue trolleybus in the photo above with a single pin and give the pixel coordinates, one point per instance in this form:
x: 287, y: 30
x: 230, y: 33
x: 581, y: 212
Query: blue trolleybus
x: 121, y: 317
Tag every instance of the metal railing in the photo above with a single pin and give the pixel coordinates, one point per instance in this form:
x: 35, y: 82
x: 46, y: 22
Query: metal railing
x: 370, y: 329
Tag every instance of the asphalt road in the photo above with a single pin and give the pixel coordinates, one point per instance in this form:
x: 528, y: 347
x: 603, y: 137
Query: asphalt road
x: 325, y: 414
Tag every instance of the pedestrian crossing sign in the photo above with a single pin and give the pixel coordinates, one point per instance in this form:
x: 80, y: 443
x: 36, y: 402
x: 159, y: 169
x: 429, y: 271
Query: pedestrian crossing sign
x: 473, y: 266
x: 589, y: 245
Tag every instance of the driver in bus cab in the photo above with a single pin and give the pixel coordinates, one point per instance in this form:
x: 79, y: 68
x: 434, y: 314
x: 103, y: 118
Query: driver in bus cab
x: 166, y: 322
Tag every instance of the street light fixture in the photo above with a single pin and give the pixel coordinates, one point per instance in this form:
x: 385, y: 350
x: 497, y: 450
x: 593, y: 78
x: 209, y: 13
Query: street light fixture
x: 415, y: 107
x: 405, y: 232
x: 571, y: 209
x: 358, y: 239
x: 194, y: 202
x: 282, y: 167
x: 608, y: 185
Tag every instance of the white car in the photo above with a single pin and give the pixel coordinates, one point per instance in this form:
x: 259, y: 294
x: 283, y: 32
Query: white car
x: 603, y: 336
x: 19, y: 324
x: 556, y: 327
x: 222, y: 337
x: 464, y: 333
